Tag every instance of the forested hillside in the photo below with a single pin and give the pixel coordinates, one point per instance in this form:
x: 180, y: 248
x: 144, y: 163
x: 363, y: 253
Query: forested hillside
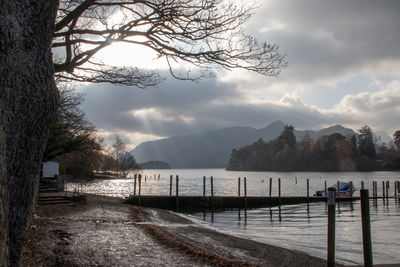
x: 333, y: 152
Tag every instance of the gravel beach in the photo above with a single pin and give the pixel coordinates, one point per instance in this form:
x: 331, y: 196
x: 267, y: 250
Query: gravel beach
x: 106, y: 232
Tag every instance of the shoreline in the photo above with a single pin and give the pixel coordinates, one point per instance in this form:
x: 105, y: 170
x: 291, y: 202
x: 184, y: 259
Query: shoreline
x: 107, y: 232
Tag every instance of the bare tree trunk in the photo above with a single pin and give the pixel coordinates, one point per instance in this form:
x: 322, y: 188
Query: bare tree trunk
x: 3, y: 192
x: 30, y: 97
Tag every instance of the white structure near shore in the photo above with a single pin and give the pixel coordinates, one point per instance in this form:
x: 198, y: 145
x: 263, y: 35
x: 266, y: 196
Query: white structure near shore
x: 50, y: 169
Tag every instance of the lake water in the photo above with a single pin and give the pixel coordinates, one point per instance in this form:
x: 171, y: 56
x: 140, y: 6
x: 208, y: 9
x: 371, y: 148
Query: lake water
x: 296, y: 226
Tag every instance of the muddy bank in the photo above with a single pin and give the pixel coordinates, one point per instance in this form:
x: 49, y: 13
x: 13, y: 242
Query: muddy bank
x: 106, y: 232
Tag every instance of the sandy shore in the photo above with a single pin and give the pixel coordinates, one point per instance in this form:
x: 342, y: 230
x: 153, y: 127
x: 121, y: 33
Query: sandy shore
x: 106, y: 232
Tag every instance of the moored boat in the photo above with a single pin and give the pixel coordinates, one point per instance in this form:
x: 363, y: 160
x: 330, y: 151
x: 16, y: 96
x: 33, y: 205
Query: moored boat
x: 344, y: 190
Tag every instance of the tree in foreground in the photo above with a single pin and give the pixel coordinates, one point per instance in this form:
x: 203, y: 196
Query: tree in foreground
x: 202, y: 33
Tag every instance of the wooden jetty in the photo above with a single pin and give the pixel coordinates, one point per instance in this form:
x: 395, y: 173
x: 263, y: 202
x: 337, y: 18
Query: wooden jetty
x: 201, y: 203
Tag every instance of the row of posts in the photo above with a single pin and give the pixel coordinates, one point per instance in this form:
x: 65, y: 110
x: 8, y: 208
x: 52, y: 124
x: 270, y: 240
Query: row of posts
x: 365, y: 221
x: 385, y: 189
x: 385, y: 186
x: 331, y: 199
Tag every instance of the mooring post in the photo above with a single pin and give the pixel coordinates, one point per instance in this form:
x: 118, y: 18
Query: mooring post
x: 373, y: 189
x: 270, y: 187
x: 362, y: 184
x: 366, y: 227
x: 338, y: 196
x: 140, y: 189
x: 238, y: 186
x: 383, y: 189
x: 170, y: 185
x: 134, y: 185
x: 395, y: 188
x: 245, y: 196
x: 351, y: 190
x: 279, y: 192
x: 387, y: 189
x: 204, y: 186
x: 398, y: 187
x: 245, y: 193
x: 212, y: 186
x: 331, y: 226
x: 308, y: 190
x: 177, y: 192
x: 351, y: 194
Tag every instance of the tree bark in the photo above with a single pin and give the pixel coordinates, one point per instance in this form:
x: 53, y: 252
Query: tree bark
x: 30, y: 97
x: 4, y: 242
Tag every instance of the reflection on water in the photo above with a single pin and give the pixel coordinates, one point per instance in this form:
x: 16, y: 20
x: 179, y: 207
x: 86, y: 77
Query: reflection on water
x: 295, y: 228
x: 156, y: 182
x: 302, y: 227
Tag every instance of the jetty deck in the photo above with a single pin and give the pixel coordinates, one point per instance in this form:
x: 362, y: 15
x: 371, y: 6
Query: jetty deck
x: 199, y: 203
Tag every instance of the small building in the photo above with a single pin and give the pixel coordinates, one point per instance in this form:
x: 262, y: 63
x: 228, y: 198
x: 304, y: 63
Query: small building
x: 49, y: 169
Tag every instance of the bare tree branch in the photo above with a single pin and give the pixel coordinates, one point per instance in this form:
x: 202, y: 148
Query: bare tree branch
x: 204, y: 33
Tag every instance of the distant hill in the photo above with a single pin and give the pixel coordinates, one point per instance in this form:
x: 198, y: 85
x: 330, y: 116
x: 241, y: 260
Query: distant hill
x: 327, y: 131
x: 212, y: 149
x: 154, y: 165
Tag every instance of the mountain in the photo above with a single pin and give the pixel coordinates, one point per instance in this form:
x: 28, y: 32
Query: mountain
x: 212, y: 149
x: 327, y: 131
x: 154, y: 165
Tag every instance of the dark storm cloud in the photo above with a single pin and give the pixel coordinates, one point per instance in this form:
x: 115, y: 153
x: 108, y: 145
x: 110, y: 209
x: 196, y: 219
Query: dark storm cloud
x: 162, y: 110
x: 178, y: 108
x: 327, y: 38
x: 323, y: 40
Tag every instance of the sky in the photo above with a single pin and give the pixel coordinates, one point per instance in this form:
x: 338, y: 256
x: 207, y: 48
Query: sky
x: 343, y: 68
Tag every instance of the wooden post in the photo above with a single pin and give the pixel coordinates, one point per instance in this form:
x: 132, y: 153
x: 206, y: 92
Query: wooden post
x: 366, y: 227
x: 326, y: 193
x: 279, y: 192
x: 383, y: 189
x: 212, y: 186
x: 362, y: 184
x: 270, y: 187
x: 170, y: 185
x: 338, y: 196
x: 177, y: 192
x: 373, y: 188
x: 140, y: 189
x: 351, y: 190
x: 331, y: 226
x: 238, y: 186
x: 308, y: 191
x: 134, y: 185
x: 204, y: 186
x: 351, y: 194
x: 387, y: 189
x: 245, y: 195
x: 395, y: 188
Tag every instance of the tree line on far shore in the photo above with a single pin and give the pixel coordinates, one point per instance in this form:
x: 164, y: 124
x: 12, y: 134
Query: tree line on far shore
x: 74, y: 144
x: 333, y: 152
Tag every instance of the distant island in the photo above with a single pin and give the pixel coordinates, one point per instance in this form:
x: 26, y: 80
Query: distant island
x: 331, y: 152
x: 154, y: 165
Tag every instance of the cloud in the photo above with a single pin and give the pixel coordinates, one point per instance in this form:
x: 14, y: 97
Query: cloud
x: 343, y: 69
x: 327, y: 42
x: 378, y: 109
